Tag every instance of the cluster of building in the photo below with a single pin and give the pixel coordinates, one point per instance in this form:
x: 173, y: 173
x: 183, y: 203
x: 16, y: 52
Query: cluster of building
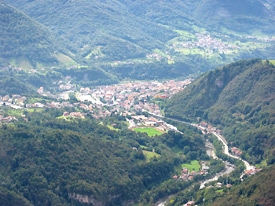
x: 154, y: 56
x: 14, y: 101
x: 127, y: 99
x: 158, y: 57
x: 236, y: 151
x: 19, y: 102
x: 137, y: 95
x: 74, y: 115
x: 7, y: 119
x: 190, y: 203
x: 252, y: 171
x: 264, y: 39
x: 186, y: 175
x: 205, y: 41
x: 143, y: 121
x: 207, y: 128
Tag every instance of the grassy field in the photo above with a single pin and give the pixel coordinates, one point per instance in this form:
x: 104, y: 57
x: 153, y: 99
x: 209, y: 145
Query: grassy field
x: 149, y: 130
x: 35, y: 99
x: 36, y: 110
x: 270, y: 61
x: 112, y: 128
x: 178, y: 151
x: 66, y: 60
x: 194, y: 166
x: 149, y: 155
x: 262, y: 164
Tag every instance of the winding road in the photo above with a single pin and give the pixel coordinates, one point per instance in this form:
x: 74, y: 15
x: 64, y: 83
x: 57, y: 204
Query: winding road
x: 220, y: 138
x: 228, y: 167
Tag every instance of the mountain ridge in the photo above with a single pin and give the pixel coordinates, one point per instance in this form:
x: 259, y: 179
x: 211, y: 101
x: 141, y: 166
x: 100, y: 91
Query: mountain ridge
x: 239, y: 98
x: 25, y: 40
x: 128, y: 31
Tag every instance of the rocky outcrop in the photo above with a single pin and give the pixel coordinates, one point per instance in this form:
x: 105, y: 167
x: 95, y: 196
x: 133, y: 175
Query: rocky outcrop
x: 91, y: 199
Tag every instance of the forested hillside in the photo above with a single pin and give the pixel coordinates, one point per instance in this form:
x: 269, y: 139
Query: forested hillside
x: 25, y: 42
x: 135, y: 37
x: 238, y: 98
x: 254, y: 190
x: 49, y: 161
x: 107, y: 26
x: 243, y: 16
x: 257, y: 190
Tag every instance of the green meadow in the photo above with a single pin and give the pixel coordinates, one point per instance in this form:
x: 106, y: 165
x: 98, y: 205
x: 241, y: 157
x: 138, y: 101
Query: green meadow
x: 149, y: 130
x: 150, y: 155
x: 193, y: 166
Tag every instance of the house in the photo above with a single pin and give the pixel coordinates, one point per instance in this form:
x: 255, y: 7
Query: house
x: 236, y: 151
x: 193, y: 173
x: 9, y: 119
x: 40, y: 90
x: 139, y: 117
x: 204, y: 124
x: 184, y: 177
x: 201, y: 172
x: 149, y: 124
x: 184, y: 170
x: 77, y: 115
x: 190, y: 203
x: 39, y: 105
x: 205, y: 168
x: 191, y: 178
x: 160, y: 123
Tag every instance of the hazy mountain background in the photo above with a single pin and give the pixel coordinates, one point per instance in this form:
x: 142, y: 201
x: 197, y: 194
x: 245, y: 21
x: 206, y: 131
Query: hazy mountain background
x: 121, y: 35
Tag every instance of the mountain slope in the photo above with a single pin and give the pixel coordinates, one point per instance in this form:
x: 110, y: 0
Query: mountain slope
x: 120, y: 35
x: 24, y: 41
x: 257, y: 190
x: 176, y: 14
x: 47, y: 161
x: 241, y: 16
x: 93, y: 24
x: 240, y: 98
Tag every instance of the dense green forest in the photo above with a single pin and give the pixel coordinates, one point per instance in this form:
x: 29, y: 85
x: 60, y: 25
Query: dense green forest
x: 25, y: 42
x: 152, y: 71
x: 25, y: 83
x: 241, y: 16
x: 255, y: 190
x: 119, y: 36
x: 46, y: 161
x: 90, y: 24
x: 239, y: 98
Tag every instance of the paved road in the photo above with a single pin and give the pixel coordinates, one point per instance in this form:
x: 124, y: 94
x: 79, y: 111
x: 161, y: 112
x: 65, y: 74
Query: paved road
x: 228, y: 168
x: 226, y: 151
x: 222, y: 139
